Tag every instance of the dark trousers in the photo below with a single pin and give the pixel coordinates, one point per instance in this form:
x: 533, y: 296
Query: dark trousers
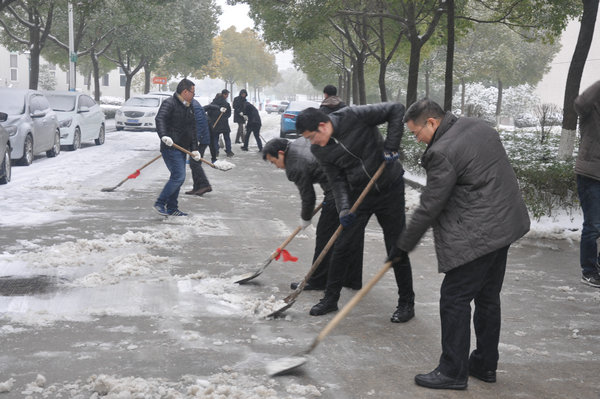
x: 239, y: 137
x: 255, y: 130
x: 479, y: 280
x: 214, y: 145
x: 388, y: 207
x: 326, y: 226
x: 589, y: 197
x: 198, y: 175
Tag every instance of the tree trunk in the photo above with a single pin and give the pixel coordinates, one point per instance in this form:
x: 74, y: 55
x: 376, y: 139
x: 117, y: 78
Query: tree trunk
x: 499, y: 102
x: 360, y: 80
x: 382, y: 87
x: 413, y: 73
x: 448, y: 84
x: 355, y: 96
x: 582, y: 48
x: 96, y: 74
x: 462, y: 96
x: 34, y: 67
x: 147, y: 73
x: 128, y: 79
x: 427, y: 74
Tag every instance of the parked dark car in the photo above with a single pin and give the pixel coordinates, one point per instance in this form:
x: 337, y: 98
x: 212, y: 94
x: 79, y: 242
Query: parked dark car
x: 5, y: 167
x: 31, y: 124
x: 288, y: 118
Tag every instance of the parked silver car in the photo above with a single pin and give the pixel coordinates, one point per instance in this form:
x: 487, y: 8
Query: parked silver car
x: 5, y: 170
x: 31, y: 124
x: 139, y: 112
x: 80, y: 118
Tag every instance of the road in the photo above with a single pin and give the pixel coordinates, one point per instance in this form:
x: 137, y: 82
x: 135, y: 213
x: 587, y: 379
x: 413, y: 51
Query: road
x: 115, y: 298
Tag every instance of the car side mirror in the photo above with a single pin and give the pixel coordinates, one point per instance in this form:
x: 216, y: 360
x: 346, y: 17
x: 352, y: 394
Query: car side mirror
x: 3, y: 116
x: 84, y: 109
x: 38, y: 114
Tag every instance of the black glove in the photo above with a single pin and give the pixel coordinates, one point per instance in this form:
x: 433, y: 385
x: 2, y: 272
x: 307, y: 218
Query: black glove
x: 396, y: 255
x: 390, y: 156
x: 347, y: 218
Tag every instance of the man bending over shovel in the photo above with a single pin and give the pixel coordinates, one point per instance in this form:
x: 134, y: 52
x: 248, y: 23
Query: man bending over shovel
x: 302, y: 168
x: 350, y: 149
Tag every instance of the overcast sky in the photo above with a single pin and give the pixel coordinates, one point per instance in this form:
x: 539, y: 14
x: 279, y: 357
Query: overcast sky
x: 238, y: 16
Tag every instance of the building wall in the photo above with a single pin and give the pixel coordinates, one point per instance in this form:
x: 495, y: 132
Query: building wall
x: 551, y: 88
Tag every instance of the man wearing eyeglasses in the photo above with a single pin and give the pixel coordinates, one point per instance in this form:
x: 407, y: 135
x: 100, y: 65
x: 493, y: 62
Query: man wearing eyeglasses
x: 473, y: 202
x: 176, y: 123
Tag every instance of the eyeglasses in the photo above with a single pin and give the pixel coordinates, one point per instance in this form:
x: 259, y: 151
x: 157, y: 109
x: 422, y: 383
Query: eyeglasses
x: 419, y: 131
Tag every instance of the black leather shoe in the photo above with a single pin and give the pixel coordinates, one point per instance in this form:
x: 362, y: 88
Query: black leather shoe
x: 307, y: 287
x: 404, y: 312
x: 203, y: 190
x: 437, y: 380
x: 324, y: 306
x: 483, y: 375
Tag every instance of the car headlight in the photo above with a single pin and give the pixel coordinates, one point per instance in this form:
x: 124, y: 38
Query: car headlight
x: 65, y: 122
x: 12, y: 130
x: 119, y: 112
x: 150, y: 114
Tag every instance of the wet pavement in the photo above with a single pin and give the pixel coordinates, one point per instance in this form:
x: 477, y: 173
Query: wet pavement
x: 182, y: 315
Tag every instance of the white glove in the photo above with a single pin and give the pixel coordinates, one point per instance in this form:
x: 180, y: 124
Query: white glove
x: 196, y: 156
x: 245, y: 119
x: 167, y: 140
x: 241, y: 114
x: 223, y: 110
x: 305, y: 223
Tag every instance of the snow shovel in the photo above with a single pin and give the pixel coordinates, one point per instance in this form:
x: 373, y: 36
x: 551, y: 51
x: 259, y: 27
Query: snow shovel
x: 249, y: 276
x: 217, y: 121
x: 291, y: 299
x: 212, y: 165
x: 131, y: 176
x: 286, y: 364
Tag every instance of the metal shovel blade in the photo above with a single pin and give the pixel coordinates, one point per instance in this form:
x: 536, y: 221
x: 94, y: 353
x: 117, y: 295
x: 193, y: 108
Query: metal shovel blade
x: 279, y: 311
x: 284, y: 365
x: 244, y: 278
x: 108, y: 189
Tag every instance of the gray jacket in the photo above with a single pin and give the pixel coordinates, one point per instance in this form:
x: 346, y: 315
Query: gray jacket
x: 302, y: 168
x: 472, y: 199
x: 587, y: 105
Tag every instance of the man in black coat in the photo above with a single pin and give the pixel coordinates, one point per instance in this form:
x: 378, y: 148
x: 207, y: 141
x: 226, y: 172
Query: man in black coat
x: 331, y: 102
x: 253, y: 126
x: 238, y: 114
x: 350, y: 149
x: 218, y: 112
x: 176, y: 123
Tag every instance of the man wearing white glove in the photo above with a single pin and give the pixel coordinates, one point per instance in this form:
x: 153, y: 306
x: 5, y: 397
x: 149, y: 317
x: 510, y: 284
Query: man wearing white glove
x: 176, y: 123
x: 238, y: 117
x: 196, y: 156
x: 302, y: 168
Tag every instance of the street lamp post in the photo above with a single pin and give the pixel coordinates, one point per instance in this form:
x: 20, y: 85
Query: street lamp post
x: 72, y: 55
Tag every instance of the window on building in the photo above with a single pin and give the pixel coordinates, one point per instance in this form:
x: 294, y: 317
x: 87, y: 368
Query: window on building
x: 122, y: 77
x: 105, y: 80
x: 14, y: 64
x: 52, y: 70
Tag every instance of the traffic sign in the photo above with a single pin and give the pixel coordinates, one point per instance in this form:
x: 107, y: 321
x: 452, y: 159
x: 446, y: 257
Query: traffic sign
x: 157, y: 80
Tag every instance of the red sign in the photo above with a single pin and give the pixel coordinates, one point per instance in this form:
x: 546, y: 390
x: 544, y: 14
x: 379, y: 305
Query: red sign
x: 159, y: 81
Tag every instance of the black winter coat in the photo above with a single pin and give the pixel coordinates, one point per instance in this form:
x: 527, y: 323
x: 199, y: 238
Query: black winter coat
x: 238, y: 106
x: 178, y: 121
x: 303, y: 169
x: 213, y: 112
x: 332, y: 104
x: 253, y: 116
x: 355, y: 150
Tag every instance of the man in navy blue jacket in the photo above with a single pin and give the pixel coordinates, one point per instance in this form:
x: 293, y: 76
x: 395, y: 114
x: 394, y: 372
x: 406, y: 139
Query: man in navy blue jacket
x: 201, y: 184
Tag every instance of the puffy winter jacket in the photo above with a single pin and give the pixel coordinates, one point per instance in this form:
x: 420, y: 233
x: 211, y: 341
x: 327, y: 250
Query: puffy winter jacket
x: 302, y: 168
x: 472, y: 198
x: 253, y: 116
x: 214, y: 110
x: 238, y: 106
x: 587, y: 105
x: 176, y: 120
x: 355, y: 150
x: 332, y: 104
x: 202, y: 132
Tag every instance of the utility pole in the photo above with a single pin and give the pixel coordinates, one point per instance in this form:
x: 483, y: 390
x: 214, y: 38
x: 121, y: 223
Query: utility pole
x: 72, y: 55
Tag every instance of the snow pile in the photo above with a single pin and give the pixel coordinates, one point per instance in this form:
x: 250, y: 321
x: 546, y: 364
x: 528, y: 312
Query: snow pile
x: 6, y: 386
x: 223, y: 164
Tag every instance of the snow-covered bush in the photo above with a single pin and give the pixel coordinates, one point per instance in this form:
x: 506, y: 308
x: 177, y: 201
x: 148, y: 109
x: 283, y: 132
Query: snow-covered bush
x: 525, y: 120
x: 109, y: 100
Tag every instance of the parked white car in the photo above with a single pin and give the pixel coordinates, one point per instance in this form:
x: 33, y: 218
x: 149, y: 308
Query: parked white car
x: 31, y: 124
x: 138, y: 112
x: 79, y: 118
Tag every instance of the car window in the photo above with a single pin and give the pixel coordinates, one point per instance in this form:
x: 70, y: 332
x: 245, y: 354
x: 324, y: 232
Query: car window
x: 143, y: 102
x: 61, y: 103
x: 300, y: 105
x: 12, y: 103
x: 38, y: 103
x: 86, y: 101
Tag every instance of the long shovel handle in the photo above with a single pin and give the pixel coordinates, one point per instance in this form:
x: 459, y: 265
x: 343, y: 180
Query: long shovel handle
x: 217, y: 121
x: 127, y: 178
x: 334, y: 237
x: 180, y: 148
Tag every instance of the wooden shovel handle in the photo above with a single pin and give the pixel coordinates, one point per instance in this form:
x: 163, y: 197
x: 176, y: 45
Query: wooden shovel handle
x: 294, y: 233
x: 180, y: 148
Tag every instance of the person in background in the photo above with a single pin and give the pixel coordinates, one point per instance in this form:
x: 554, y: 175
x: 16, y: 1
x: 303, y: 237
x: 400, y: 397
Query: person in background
x: 350, y: 149
x: 587, y: 169
x: 302, y: 168
x: 238, y: 114
x: 218, y: 112
x: 253, y: 126
x: 201, y: 184
x: 176, y: 123
x: 331, y: 102
x: 473, y: 202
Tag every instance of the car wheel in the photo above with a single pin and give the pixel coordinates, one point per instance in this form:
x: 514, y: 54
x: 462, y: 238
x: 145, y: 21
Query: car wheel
x: 55, y: 150
x: 76, y: 140
x: 5, y: 168
x: 101, y: 136
x: 27, y: 158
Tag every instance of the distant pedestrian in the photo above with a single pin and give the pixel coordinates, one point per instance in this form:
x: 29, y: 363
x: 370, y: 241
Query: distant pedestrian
x: 474, y: 204
x: 331, y: 102
x: 201, y: 184
x: 253, y: 126
x: 176, y: 123
x: 587, y: 169
x: 238, y: 114
x: 219, y: 112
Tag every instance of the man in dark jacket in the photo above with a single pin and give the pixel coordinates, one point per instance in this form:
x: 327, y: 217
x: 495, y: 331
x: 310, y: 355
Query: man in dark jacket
x: 219, y: 112
x: 331, y: 102
x: 201, y: 184
x: 587, y: 168
x: 473, y: 202
x: 238, y: 114
x: 350, y: 149
x: 253, y: 126
x: 176, y: 123
x: 302, y: 168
